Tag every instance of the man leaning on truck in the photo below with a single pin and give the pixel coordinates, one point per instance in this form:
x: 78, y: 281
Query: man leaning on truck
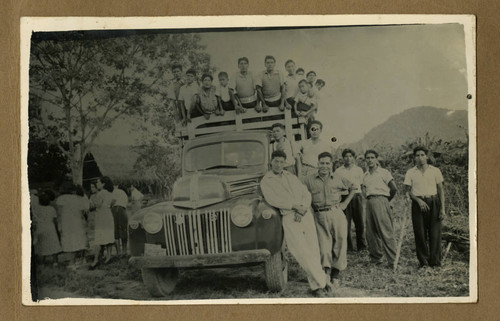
x: 284, y: 190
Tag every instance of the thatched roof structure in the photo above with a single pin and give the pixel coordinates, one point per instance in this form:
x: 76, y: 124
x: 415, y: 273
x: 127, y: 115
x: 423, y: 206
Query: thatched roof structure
x: 117, y: 162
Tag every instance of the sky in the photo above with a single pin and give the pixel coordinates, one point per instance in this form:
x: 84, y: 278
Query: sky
x: 371, y: 72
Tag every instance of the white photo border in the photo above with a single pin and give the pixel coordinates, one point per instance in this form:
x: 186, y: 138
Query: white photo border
x: 52, y: 24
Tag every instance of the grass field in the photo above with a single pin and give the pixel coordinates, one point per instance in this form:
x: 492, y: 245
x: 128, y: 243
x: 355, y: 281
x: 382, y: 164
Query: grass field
x: 118, y: 280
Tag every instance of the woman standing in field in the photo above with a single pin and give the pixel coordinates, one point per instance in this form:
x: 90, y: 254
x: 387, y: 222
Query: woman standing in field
x: 71, y: 212
x: 45, y: 220
x: 104, y: 223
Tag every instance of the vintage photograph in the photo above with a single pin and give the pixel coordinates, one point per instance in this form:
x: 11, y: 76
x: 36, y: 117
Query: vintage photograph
x: 276, y: 159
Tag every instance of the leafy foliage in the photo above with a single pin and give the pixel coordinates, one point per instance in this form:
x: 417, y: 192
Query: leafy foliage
x: 81, y: 83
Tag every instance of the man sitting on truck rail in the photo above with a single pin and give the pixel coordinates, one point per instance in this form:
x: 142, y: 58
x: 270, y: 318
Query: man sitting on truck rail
x: 270, y: 86
x: 174, y: 90
x: 243, y: 84
x: 205, y: 100
x: 187, y: 96
x: 284, y: 190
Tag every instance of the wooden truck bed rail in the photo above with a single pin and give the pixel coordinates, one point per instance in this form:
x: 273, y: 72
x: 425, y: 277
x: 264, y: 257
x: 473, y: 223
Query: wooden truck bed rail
x: 250, y: 120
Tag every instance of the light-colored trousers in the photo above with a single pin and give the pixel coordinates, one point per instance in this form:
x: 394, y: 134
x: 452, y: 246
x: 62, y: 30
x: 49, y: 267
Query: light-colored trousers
x: 380, y: 230
x: 332, y: 236
x: 302, y: 241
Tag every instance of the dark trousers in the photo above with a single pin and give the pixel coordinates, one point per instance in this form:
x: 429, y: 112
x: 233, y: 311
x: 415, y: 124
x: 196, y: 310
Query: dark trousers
x: 427, y: 231
x: 354, y: 213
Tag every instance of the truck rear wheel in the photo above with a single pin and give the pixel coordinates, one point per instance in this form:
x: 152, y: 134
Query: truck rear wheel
x: 276, y: 272
x: 159, y: 281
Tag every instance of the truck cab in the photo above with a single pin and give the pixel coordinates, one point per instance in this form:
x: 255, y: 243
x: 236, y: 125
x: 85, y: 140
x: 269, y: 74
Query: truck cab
x: 217, y: 216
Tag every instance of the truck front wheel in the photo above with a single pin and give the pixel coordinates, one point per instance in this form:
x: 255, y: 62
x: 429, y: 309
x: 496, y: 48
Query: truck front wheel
x: 159, y: 281
x: 276, y: 272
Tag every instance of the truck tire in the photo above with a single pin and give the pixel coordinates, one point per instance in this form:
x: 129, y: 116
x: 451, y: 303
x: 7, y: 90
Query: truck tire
x: 160, y: 281
x: 276, y: 269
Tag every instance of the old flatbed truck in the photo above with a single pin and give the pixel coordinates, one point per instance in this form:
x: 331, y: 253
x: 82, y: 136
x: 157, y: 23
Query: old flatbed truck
x: 217, y: 216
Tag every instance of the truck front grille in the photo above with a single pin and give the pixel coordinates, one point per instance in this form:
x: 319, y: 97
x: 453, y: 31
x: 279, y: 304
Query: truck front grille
x: 197, y: 232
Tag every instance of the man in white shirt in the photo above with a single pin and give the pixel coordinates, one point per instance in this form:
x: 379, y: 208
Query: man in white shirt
x: 119, y: 210
x: 379, y: 188
x: 424, y: 184
x: 285, y: 192
x: 310, y: 150
x: 354, y: 210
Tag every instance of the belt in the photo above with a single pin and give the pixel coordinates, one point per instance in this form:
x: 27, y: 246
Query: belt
x: 374, y: 196
x: 325, y: 209
x: 309, y: 166
x: 273, y: 98
x: 249, y: 99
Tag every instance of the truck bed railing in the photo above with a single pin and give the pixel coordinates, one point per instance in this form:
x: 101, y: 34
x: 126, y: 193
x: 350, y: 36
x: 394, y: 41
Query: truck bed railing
x: 250, y: 120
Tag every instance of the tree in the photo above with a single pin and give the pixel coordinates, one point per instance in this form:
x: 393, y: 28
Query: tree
x: 158, y: 148
x: 81, y: 82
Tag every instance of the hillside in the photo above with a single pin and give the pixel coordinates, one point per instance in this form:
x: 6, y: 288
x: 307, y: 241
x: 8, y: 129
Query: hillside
x: 416, y: 122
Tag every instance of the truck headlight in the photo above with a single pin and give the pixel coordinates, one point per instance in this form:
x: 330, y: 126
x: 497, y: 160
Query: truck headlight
x: 241, y: 215
x: 152, y: 223
x: 267, y: 213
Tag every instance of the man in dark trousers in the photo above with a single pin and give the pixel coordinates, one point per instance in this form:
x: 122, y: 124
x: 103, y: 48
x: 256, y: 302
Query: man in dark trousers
x: 379, y: 188
x: 354, y: 210
x: 424, y: 184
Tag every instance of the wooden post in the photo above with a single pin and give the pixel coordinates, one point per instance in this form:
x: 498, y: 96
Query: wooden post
x: 400, y: 242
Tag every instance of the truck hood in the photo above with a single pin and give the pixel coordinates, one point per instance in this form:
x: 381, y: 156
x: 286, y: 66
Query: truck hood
x: 200, y: 190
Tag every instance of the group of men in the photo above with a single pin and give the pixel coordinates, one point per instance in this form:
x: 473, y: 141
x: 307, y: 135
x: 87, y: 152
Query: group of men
x: 244, y: 90
x: 302, y: 178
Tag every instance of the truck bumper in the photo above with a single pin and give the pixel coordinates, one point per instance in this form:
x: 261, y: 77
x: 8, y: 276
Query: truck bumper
x: 201, y: 261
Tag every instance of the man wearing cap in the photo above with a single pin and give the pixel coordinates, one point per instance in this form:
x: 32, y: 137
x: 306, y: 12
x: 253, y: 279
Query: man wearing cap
x: 311, y: 148
x: 424, y: 184
x: 379, y: 188
x: 284, y: 191
x: 326, y: 188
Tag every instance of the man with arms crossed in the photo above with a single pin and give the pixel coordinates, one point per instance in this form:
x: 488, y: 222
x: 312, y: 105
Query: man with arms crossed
x: 311, y: 148
x: 243, y: 86
x: 331, y: 224
x: 424, y: 184
x: 379, y: 188
x: 354, y: 210
x: 270, y: 86
x: 284, y: 190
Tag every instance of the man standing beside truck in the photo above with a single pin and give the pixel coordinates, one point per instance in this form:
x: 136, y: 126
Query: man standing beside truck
x: 311, y: 148
x: 284, y: 190
x: 326, y: 189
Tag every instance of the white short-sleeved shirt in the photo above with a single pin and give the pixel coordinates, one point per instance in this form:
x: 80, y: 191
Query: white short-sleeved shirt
x: 187, y: 93
x: 423, y: 183
x: 292, y: 85
x: 377, y: 183
x: 120, y: 197
x: 310, y: 151
x: 222, y: 92
x: 353, y: 174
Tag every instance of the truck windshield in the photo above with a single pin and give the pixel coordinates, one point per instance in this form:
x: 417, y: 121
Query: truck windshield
x: 225, y: 155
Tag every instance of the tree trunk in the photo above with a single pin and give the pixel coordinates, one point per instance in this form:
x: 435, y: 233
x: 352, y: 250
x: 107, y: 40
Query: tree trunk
x: 77, y: 166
